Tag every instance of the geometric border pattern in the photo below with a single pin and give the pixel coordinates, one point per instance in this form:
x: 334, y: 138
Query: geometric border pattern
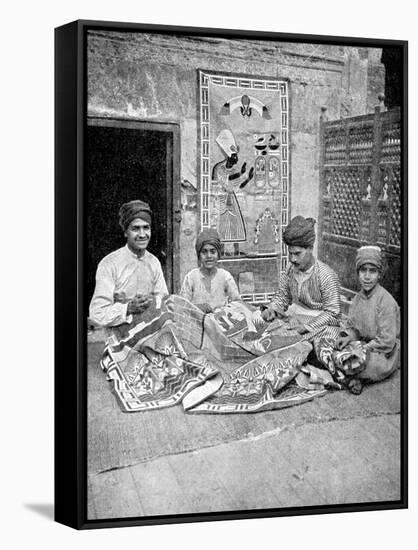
x: 230, y: 81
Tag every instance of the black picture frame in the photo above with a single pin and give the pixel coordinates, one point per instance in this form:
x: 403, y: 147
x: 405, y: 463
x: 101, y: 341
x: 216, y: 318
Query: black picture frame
x: 71, y: 399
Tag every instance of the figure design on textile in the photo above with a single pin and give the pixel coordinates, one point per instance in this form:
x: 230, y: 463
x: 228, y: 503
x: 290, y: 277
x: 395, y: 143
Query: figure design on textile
x: 267, y: 232
x: 230, y: 223
x: 175, y: 353
x: 246, y: 104
x: 267, y: 160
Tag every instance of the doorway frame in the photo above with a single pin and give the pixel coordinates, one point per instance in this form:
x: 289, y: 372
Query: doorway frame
x: 173, y: 183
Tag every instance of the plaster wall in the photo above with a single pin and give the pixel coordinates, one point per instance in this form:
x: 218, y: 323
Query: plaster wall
x: 141, y: 76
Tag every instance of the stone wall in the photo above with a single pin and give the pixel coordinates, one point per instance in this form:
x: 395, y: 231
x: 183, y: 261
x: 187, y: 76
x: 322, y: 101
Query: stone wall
x: 141, y: 76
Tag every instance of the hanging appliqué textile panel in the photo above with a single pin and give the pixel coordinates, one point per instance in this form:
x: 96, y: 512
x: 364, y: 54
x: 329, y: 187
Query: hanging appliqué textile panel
x: 244, y: 173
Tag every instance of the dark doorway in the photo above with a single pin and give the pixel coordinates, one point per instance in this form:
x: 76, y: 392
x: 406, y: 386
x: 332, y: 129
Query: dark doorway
x: 125, y: 161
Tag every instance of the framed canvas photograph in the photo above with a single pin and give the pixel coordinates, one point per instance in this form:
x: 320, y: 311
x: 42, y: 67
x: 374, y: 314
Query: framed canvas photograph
x: 231, y: 274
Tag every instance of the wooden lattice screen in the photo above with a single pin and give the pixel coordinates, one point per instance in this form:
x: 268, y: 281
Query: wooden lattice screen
x: 360, y: 193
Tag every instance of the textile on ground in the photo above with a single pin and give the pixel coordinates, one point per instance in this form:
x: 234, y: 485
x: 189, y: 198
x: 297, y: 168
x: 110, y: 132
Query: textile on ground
x: 230, y: 362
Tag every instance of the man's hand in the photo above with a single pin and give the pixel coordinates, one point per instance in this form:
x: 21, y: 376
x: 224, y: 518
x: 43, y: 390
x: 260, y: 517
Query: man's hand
x: 296, y: 325
x: 268, y: 315
x: 206, y: 308
x: 139, y: 304
x: 302, y: 329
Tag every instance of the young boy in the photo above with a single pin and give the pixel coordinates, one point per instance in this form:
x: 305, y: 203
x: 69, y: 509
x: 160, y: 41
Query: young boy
x: 374, y: 322
x: 209, y: 286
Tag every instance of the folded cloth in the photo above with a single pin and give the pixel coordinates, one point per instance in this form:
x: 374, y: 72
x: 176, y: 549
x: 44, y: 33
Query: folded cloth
x: 312, y: 378
x: 352, y: 359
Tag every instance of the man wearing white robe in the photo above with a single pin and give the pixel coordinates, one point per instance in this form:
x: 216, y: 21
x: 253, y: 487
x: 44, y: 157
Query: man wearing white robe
x: 128, y: 279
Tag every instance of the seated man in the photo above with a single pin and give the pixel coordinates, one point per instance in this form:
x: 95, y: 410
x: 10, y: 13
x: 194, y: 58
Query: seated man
x: 309, y: 288
x: 128, y: 278
x: 369, y: 343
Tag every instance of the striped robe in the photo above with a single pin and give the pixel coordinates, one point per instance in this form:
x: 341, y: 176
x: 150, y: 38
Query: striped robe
x: 321, y: 292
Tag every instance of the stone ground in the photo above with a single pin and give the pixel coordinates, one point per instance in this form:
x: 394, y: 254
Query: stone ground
x: 338, y: 449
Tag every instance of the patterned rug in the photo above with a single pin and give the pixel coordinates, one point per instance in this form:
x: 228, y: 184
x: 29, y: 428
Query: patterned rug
x: 231, y: 362
x: 262, y: 384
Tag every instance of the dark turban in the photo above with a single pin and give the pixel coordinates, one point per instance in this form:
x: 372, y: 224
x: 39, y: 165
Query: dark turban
x: 132, y: 210
x: 208, y: 236
x: 300, y: 232
x: 369, y: 255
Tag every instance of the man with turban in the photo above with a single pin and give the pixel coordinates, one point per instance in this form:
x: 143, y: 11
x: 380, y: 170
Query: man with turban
x: 209, y: 286
x: 309, y: 288
x: 128, y: 278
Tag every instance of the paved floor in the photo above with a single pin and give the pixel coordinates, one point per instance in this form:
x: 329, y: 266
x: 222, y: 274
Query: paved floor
x: 338, y: 449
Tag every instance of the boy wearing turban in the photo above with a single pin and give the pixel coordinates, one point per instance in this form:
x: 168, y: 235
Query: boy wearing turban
x: 209, y: 286
x: 308, y: 288
x: 128, y: 278
x: 373, y: 322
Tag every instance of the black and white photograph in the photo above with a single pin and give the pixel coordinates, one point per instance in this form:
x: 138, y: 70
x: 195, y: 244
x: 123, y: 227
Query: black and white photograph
x: 208, y: 221
x: 244, y: 294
